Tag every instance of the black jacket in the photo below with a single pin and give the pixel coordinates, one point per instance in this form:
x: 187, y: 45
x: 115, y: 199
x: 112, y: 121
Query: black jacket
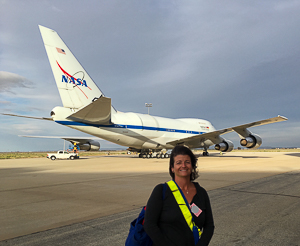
x: 165, y: 224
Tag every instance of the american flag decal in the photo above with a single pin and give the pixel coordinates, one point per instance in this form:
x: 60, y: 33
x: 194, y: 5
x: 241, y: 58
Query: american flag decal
x: 61, y: 51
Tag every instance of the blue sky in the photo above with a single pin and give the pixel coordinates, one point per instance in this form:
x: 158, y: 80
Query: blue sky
x: 229, y: 62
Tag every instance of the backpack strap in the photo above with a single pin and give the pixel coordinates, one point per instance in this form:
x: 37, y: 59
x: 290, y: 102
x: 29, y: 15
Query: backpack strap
x: 185, y: 209
x: 164, y: 190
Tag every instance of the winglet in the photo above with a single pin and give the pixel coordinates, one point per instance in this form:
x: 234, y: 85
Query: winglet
x: 282, y: 117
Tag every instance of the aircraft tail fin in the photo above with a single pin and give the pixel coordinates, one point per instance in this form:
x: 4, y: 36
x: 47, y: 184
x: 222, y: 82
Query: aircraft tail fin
x: 75, y: 86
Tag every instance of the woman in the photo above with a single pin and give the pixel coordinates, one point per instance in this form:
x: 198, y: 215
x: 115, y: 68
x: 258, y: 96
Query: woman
x: 164, y: 221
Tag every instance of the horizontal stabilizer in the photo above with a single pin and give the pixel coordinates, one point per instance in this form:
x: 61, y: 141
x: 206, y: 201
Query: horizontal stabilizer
x: 30, y: 117
x: 98, y: 112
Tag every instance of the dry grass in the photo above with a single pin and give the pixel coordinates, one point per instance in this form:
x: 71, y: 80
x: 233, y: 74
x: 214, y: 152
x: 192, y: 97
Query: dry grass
x: 18, y: 155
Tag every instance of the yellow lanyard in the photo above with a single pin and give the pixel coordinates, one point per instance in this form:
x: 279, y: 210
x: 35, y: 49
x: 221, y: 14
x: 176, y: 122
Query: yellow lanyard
x: 183, y: 205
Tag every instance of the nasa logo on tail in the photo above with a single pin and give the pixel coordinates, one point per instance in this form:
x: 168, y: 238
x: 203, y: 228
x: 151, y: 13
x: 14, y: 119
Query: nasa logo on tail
x: 68, y: 78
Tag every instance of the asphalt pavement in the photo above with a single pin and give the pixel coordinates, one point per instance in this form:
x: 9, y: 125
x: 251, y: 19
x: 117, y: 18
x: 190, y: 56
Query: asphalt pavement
x: 262, y: 212
x: 91, y: 201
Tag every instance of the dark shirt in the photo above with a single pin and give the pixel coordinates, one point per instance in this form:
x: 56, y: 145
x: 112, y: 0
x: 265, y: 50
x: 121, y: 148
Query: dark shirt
x: 165, y: 224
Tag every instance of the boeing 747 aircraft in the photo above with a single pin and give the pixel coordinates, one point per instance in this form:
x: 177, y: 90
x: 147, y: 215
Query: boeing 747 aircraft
x: 85, y: 108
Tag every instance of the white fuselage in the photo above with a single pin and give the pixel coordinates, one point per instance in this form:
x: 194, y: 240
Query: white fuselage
x: 140, y: 131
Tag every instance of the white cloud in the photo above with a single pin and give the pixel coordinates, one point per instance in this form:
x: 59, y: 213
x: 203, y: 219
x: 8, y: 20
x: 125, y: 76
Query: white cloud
x: 28, y: 128
x: 9, y: 81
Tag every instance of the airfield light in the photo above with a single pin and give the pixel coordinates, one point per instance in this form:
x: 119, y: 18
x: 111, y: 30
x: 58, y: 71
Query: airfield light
x: 148, y: 105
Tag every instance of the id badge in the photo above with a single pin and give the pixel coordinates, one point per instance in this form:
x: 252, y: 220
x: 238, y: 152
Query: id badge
x: 195, y: 209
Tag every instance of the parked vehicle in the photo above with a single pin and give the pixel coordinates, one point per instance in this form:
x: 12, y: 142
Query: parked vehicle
x: 61, y: 154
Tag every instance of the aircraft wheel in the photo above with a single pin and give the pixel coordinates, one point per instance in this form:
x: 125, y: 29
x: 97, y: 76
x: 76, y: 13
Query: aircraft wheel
x: 53, y: 158
x: 205, y: 154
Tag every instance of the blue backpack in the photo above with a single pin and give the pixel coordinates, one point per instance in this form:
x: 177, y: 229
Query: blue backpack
x: 137, y: 235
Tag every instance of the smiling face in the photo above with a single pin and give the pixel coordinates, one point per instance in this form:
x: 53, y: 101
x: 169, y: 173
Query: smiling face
x: 182, y: 166
x: 177, y: 154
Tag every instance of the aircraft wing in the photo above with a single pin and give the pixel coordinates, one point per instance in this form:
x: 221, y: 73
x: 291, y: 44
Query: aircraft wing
x: 212, y: 136
x: 215, y: 135
x: 78, y: 140
x: 30, y: 117
x: 241, y: 130
x: 83, y: 142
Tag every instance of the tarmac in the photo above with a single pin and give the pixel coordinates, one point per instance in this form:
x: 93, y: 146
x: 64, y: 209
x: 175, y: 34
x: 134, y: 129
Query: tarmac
x: 91, y: 201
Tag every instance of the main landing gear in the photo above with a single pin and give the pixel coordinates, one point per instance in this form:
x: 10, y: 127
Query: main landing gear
x: 205, y: 152
x: 154, y: 155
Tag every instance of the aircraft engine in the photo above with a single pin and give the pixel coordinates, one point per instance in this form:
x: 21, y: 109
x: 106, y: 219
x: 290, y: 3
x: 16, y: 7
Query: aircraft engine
x: 90, y: 146
x: 225, y: 146
x: 252, y: 141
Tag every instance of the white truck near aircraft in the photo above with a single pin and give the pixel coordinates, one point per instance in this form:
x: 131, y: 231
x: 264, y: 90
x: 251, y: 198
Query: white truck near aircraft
x: 61, y: 154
